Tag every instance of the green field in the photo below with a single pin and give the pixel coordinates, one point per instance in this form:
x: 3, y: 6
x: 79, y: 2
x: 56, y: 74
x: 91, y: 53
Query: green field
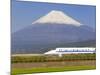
x: 52, y: 63
x: 49, y: 69
x: 46, y: 58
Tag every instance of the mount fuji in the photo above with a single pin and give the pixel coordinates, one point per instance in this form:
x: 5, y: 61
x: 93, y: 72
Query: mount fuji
x: 57, y: 17
x: 55, y: 29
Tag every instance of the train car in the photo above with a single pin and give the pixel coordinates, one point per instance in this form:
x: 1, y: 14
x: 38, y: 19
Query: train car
x: 75, y: 50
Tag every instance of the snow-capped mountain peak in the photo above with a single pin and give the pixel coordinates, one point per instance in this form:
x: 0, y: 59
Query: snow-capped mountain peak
x: 57, y: 17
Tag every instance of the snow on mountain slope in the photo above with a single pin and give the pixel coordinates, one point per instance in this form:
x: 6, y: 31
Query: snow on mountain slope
x: 57, y: 17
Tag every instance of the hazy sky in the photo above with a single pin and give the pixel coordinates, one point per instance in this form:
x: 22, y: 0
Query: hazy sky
x: 24, y: 13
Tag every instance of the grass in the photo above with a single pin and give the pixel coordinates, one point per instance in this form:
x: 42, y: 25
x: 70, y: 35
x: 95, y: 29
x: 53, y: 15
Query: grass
x: 52, y: 58
x: 18, y: 71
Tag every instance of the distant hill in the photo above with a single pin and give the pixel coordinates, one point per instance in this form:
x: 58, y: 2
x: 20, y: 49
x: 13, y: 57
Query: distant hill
x: 90, y: 43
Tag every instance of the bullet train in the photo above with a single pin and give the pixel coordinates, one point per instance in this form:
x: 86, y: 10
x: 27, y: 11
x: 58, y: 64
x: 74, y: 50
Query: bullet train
x: 81, y: 50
